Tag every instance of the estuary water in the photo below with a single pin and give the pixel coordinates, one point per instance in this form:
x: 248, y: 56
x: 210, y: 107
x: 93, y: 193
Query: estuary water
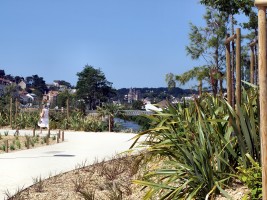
x: 128, y: 124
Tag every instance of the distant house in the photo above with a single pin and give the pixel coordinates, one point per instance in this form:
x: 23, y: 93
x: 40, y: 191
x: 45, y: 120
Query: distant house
x: 50, y: 97
x: 26, y: 98
x: 56, y: 83
x: 22, y: 84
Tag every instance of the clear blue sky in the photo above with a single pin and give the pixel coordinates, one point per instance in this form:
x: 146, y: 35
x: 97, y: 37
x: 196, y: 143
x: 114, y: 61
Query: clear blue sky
x: 134, y: 42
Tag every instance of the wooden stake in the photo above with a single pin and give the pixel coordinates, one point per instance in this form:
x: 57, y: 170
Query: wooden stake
x: 228, y: 74
x: 238, y: 67
x: 63, y: 136
x: 252, y: 64
x: 28, y: 142
x: 58, y: 136
x: 68, y: 109
x: 47, y: 139
x: 6, y: 146
x: 10, y: 110
x: 263, y: 95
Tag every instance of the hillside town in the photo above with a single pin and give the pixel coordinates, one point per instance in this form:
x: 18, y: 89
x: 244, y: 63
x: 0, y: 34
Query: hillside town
x: 31, y: 91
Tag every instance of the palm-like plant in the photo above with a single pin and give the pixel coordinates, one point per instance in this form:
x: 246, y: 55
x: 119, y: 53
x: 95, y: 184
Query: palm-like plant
x: 199, y: 146
x: 110, y: 110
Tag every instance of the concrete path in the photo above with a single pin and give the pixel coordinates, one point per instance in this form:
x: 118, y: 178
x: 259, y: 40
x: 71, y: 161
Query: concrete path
x: 18, y: 169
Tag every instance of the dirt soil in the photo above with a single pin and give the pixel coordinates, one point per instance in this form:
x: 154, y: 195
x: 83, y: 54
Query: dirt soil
x: 104, y: 180
x: 17, y: 143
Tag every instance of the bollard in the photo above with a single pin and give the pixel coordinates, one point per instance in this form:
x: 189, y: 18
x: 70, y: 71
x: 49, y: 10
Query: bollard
x: 58, y: 135
x: 33, y: 132
x: 62, y: 135
x: 6, y: 146
x: 48, y: 132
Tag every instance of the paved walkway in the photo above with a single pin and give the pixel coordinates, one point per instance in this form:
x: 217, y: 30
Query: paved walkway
x: 18, y: 169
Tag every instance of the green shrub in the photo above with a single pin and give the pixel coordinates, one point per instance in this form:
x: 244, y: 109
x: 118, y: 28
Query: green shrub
x: 12, y: 147
x: 252, y: 177
x: 18, y: 144
x: 200, y: 147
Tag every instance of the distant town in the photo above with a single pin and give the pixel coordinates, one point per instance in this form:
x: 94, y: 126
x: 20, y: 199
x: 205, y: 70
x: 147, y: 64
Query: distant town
x: 32, y: 90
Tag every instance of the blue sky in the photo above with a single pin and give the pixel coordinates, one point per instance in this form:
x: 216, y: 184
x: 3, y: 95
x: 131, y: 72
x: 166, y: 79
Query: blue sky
x: 134, y: 42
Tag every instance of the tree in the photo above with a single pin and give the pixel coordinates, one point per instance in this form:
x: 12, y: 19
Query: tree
x: 200, y: 73
x: 110, y: 110
x: 138, y: 104
x: 36, y: 84
x: 92, y: 87
x: 206, y: 43
x: 231, y: 7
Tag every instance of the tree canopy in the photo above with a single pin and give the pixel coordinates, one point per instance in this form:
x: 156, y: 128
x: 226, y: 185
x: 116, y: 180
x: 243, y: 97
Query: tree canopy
x: 93, y: 87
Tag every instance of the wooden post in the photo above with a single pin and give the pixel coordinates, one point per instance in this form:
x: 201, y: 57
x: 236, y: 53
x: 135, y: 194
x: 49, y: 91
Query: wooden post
x: 16, y: 112
x: 238, y: 67
x: 263, y: 90
x: 252, y: 64
x: 228, y: 74
x: 33, y: 132
x: 47, y: 139
x: 58, y: 136
x: 6, y: 146
x: 28, y: 142
x: 68, y: 108
x: 63, y: 137
x: 10, y: 112
x: 59, y: 133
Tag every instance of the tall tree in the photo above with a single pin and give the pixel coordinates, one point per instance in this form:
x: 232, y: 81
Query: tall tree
x: 93, y: 87
x: 207, y: 43
x: 231, y: 7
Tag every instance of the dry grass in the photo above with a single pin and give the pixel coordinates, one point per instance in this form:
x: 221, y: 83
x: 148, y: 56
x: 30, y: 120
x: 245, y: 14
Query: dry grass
x: 101, y: 181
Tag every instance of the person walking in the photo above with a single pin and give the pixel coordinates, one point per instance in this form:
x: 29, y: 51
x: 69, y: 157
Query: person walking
x: 44, y: 118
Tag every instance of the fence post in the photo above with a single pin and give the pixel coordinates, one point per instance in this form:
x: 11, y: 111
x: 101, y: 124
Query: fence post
x: 63, y: 137
x: 238, y: 67
x: 261, y: 4
x: 252, y: 64
x: 6, y: 146
x: 10, y: 112
x: 228, y: 74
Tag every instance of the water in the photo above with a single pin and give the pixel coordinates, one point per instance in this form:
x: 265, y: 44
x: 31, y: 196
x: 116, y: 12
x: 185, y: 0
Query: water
x: 128, y: 124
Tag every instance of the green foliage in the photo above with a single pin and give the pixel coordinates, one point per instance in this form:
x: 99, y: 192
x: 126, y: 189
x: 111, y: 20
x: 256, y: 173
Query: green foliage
x: 3, y: 147
x: 94, y: 124
x: 92, y: 87
x: 199, y: 147
x: 37, y: 84
x: 137, y: 105
x: 12, y: 147
x: 231, y: 6
x: 252, y: 178
x: 110, y: 111
x: 18, y: 144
